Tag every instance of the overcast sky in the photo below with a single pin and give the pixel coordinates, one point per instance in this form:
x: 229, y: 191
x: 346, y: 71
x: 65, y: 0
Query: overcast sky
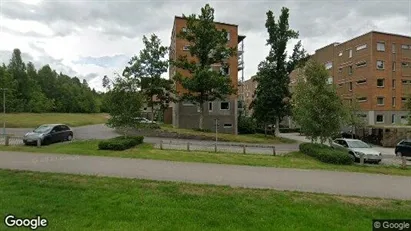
x: 94, y: 38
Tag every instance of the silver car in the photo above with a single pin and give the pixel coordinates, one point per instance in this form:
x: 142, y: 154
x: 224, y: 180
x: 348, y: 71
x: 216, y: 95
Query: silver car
x: 356, y: 148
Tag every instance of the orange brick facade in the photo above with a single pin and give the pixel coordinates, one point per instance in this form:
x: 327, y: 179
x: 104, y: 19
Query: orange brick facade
x: 375, y: 70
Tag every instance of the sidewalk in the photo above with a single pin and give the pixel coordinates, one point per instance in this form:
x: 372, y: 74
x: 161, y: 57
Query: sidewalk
x: 331, y: 182
x: 297, y: 137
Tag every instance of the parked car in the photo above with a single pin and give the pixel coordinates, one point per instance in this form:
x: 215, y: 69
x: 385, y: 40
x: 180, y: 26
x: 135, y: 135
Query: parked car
x: 144, y: 120
x: 48, y: 134
x: 403, y: 148
x: 356, y: 148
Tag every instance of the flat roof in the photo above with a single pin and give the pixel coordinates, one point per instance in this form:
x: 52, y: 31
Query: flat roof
x: 222, y: 23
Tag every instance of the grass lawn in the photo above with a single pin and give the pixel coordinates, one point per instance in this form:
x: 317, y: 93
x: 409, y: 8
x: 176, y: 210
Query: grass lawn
x: 249, y: 138
x: 74, y: 202
x: 31, y: 120
x: 146, y: 151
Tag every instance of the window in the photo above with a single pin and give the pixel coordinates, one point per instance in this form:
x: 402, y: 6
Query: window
x: 380, y: 46
x: 406, y: 81
x: 227, y: 125
x: 224, y: 106
x: 380, y: 119
x: 350, y: 70
x: 339, y: 69
x: 393, y: 66
x: 362, y: 81
x: 225, y: 70
x: 393, y: 83
x: 340, y: 54
x: 350, y: 86
x: 380, y: 100
x: 184, y: 29
x: 393, y: 118
x: 228, y: 35
x: 330, y: 80
x: 380, y: 82
x: 405, y: 47
x: 362, y: 99
x: 361, y: 47
x: 340, y: 85
x: 405, y: 64
x: 393, y: 48
x: 186, y: 47
x: 393, y: 101
x: 328, y: 65
x: 349, y: 53
x: 361, y: 64
x: 380, y: 64
x: 210, y: 106
x: 403, y: 99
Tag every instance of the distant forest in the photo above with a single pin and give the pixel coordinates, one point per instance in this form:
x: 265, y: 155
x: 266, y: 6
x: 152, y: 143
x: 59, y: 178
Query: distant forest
x: 45, y: 90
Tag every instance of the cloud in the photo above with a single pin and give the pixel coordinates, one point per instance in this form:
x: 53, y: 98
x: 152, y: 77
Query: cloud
x: 104, y: 61
x: 93, y: 38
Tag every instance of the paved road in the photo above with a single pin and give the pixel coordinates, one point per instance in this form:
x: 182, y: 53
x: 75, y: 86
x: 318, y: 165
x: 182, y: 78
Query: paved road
x: 342, y: 183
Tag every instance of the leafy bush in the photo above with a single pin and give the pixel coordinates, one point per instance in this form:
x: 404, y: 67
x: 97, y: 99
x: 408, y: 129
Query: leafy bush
x: 202, y: 130
x: 290, y: 130
x: 120, y: 143
x: 326, y: 154
x: 246, y: 125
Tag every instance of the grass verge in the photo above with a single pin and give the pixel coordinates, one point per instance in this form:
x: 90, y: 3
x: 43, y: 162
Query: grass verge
x: 75, y: 202
x: 146, y: 151
x: 248, y: 138
x: 31, y: 120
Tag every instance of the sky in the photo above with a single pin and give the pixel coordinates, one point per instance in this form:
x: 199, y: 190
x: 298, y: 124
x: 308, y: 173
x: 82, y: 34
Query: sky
x: 93, y: 38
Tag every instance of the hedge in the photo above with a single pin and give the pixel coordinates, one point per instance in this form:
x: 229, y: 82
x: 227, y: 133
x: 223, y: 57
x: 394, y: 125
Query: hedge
x: 326, y: 154
x: 120, y: 143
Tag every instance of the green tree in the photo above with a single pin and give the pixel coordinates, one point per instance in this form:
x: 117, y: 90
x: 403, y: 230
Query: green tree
x: 352, y: 117
x: 316, y: 106
x: 208, y: 46
x: 7, y: 81
x: 37, y: 100
x: 149, y: 66
x: 17, y: 68
x: 271, y: 102
x: 124, y: 101
x: 408, y: 107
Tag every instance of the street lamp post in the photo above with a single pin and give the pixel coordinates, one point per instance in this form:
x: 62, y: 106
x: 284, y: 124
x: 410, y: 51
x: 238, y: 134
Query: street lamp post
x: 4, y: 110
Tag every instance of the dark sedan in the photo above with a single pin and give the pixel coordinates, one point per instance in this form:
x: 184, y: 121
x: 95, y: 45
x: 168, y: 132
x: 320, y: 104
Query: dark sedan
x: 48, y: 134
x: 403, y: 148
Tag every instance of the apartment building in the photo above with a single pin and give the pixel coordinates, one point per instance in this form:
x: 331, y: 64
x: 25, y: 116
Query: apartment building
x: 246, y: 92
x: 373, y: 69
x: 186, y: 114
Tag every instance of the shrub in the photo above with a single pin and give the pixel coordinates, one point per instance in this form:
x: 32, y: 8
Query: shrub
x: 290, y: 130
x: 120, y: 143
x: 326, y: 154
x: 246, y: 125
x: 202, y: 130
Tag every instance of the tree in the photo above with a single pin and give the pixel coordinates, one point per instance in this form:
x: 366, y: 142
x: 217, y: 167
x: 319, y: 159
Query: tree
x: 352, y: 115
x: 316, y: 106
x: 124, y: 102
x: 208, y: 46
x: 271, y: 102
x: 408, y: 107
x: 17, y: 69
x: 149, y: 66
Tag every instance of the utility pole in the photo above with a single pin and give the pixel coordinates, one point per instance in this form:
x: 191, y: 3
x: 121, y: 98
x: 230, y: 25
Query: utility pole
x: 216, y: 131
x: 4, y: 110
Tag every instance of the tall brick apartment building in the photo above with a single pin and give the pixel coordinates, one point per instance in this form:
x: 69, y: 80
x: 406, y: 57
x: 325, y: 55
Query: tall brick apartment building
x: 375, y: 70
x: 185, y: 114
x: 246, y: 92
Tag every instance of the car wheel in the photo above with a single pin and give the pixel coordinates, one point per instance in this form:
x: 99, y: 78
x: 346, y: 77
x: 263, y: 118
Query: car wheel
x: 69, y: 137
x: 398, y: 154
x: 353, y: 157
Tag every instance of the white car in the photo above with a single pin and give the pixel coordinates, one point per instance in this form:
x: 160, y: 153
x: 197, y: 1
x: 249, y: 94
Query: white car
x: 144, y: 120
x: 356, y: 148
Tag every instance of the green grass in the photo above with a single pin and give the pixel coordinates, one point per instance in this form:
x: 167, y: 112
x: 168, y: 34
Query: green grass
x: 31, y: 120
x: 249, y: 138
x: 74, y: 202
x: 146, y: 151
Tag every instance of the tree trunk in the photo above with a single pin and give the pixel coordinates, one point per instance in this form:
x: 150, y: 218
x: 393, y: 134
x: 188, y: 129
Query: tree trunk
x: 152, y: 112
x: 277, y: 127
x: 265, y: 130
x: 200, y: 125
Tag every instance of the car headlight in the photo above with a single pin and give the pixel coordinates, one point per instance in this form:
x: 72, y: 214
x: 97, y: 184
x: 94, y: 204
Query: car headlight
x: 359, y: 154
x: 26, y: 134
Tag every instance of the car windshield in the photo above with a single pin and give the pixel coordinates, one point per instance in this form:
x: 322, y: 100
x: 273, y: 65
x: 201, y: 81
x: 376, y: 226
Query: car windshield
x: 42, y: 129
x: 357, y: 144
